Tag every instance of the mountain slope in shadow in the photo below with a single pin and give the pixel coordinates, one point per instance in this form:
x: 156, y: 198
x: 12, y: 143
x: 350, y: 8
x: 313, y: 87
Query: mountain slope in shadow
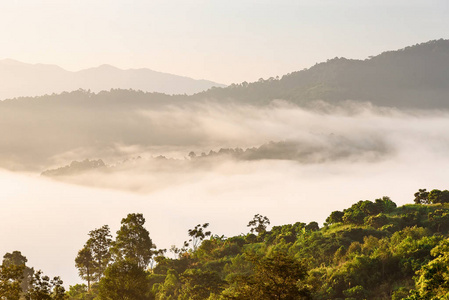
x: 413, y: 77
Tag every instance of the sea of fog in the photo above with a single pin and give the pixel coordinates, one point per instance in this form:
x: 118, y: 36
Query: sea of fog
x: 355, y: 152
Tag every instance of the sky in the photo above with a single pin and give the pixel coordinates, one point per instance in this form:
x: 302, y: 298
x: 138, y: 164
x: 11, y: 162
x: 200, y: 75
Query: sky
x: 224, y: 41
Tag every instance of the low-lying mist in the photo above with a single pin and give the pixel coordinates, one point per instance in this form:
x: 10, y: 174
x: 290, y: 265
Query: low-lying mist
x: 192, y: 142
x: 38, y: 136
x: 288, y: 163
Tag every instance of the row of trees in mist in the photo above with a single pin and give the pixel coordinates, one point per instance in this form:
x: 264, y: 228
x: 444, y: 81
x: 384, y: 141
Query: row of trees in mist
x: 370, y: 250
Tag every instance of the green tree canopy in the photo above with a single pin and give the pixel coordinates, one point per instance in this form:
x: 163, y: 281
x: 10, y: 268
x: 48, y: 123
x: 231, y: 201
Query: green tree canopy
x: 133, y: 241
x: 124, y: 280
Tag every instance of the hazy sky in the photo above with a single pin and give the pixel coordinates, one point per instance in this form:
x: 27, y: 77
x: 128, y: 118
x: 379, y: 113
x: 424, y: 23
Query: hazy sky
x: 225, y: 41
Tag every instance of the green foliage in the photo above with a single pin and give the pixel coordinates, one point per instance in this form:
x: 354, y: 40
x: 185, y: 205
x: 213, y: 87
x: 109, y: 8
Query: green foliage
x: 437, y: 196
x: 93, y: 259
x: 335, y: 217
x: 421, y: 197
x: 99, y: 243
x: 359, y: 212
x: 357, y: 292
x: 312, y: 226
x: 433, y: 278
x: 16, y: 258
x: 124, y: 279
x: 44, y: 288
x: 377, y: 221
x: 78, y: 292
x: 18, y: 281
x: 170, y: 288
x: 10, y: 281
x: 385, y: 204
x: 285, y: 233
x: 85, y: 264
x: 371, y: 250
x: 275, y: 276
x: 133, y: 241
x: 199, y: 284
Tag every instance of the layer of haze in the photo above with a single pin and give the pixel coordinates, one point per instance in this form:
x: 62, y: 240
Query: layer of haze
x: 222, y: 41
x: 361, y: 152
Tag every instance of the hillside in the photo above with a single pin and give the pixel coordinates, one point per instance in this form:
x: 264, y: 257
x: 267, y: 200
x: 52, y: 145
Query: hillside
x: 371, y: 250
x: 413, y: 77
x: 20, y: 79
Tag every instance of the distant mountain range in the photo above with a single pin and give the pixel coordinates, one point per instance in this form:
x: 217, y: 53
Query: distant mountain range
x: 37, y: 132
x: 20, y: 79
x: 413, y: 77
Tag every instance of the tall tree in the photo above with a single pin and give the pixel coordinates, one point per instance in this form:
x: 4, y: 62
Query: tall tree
x: 84, y: 262
x: 198, y: 234
x: 421, y: 196
x: 258, y: 224
x: 99, y: 243
x: 133, y: 241
x: 17, y: 259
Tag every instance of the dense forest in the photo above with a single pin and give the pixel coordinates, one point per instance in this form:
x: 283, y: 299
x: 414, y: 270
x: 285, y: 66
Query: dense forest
x: 371, y: 250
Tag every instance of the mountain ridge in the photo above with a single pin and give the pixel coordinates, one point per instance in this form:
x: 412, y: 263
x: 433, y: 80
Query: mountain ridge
x: 412, y: 77
x: 21, y: 79
x: 400, y: 78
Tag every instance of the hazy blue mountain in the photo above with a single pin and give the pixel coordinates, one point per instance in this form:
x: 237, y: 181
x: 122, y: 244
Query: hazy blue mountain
x: 416, y: 76
x: 20, y: 79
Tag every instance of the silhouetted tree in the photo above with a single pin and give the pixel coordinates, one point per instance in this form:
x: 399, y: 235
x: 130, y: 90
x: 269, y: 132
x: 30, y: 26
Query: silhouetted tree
x: 84, y: 262
x: 198, y: 234
x: 17, y: 259
x: 421, y: 197
x: 259, y: 224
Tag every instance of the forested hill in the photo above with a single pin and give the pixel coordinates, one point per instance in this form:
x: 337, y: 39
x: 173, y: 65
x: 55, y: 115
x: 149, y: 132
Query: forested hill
x: 371, y: 250
x: 413, y: 77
